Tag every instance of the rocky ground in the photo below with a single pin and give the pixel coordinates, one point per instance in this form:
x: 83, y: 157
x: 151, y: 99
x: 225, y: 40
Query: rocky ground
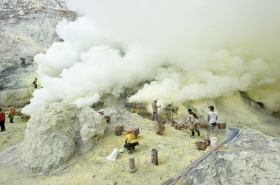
x: 175, y: 150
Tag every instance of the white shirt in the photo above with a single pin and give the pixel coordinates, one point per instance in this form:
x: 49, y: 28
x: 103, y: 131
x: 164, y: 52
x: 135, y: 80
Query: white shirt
x: 191, y: 118
x: 212, y: 117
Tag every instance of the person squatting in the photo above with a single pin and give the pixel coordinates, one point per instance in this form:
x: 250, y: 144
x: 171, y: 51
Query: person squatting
x: 130, y: 141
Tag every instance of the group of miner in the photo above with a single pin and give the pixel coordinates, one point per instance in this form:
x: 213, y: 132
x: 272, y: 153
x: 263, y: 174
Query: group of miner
x: 12, y: 110
x: 212, y: 116
x: 11, y: 116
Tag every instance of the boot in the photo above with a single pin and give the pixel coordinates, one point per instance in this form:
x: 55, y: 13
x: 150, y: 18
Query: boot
x: 198, y: 133
x: 192, y: 135
x: 11, y: 121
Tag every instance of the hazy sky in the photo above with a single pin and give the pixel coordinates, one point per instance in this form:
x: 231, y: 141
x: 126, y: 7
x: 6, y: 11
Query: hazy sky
x: 186, y: 49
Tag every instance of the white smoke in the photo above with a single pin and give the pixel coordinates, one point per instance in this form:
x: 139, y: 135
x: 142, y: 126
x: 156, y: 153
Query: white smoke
x: 187, y: 49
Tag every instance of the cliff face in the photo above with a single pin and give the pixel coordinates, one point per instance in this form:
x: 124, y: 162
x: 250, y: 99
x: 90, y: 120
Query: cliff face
x: 27, y: 28
x: 33, y: 18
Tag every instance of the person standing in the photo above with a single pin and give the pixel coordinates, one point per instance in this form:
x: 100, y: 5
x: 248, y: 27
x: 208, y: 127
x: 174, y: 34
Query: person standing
x: 212, y: 122
x: 12, y: 112
x: 130, y: 141
x: 155, y: 107
x: 35, y: 83
x: 23, y: 61
x: 169, y: 112
x: 192, y: 118
x: 2, y: 120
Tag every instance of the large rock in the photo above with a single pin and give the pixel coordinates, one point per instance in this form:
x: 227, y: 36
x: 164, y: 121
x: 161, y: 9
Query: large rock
x: 92, y: 126
x: 55, y: 133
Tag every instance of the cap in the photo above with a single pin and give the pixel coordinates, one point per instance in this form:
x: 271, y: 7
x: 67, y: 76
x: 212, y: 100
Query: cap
x: 128, y: 131
x: 211, y: 107
x: 189, y: 109
x: 155, y: 100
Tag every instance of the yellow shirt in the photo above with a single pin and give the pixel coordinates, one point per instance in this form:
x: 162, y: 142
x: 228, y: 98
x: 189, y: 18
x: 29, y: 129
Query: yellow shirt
x: 130, y: 138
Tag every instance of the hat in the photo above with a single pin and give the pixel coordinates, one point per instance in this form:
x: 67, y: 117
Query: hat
x: 211, y: 107
x: 189, y: 110
x: 128, y: 131
x: 155, y: 100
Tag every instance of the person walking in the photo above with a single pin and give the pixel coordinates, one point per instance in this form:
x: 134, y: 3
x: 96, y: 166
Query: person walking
x: 12, y: 112
x: 130, y: 141
x: 192, y: 118
x: 155, y: 107
x: 212, y: 122
x: 2, y: 120
x: 35, y: 83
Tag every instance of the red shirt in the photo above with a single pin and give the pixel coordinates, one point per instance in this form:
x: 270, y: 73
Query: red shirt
x: 2, y: 116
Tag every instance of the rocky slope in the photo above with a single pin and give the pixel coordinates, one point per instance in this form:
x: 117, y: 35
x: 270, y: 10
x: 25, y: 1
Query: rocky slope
x: 252, y: 158
x: 26, y: 29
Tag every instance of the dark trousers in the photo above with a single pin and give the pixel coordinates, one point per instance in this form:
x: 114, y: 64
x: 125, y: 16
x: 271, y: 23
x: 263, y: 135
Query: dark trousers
x: 2, y: 124
x: 130, y: 146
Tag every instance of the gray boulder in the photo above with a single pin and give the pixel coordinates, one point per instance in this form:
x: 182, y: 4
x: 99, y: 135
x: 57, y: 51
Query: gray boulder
x: 55, y: 133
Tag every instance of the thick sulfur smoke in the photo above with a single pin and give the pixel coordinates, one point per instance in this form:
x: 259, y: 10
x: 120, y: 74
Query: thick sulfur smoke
x: 185, y: 49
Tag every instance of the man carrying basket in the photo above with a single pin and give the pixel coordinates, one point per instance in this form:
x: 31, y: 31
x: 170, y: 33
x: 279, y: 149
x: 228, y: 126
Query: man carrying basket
x: 192, y: 118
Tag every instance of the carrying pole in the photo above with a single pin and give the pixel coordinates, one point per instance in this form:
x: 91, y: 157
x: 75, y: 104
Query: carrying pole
x: 185, y: 171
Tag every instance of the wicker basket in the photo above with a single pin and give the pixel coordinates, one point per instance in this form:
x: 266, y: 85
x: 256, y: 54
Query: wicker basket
x: 208, y: 141
x: 185, y: 125
x: 178, y: 126
x: 119, y: 129
x: 201, y: 145
x: 107, y: 118
x: 203, y: 125
x: 159, y: 127
x: 135, y: 131
x: 222, y: 125
x: 191, y: 126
